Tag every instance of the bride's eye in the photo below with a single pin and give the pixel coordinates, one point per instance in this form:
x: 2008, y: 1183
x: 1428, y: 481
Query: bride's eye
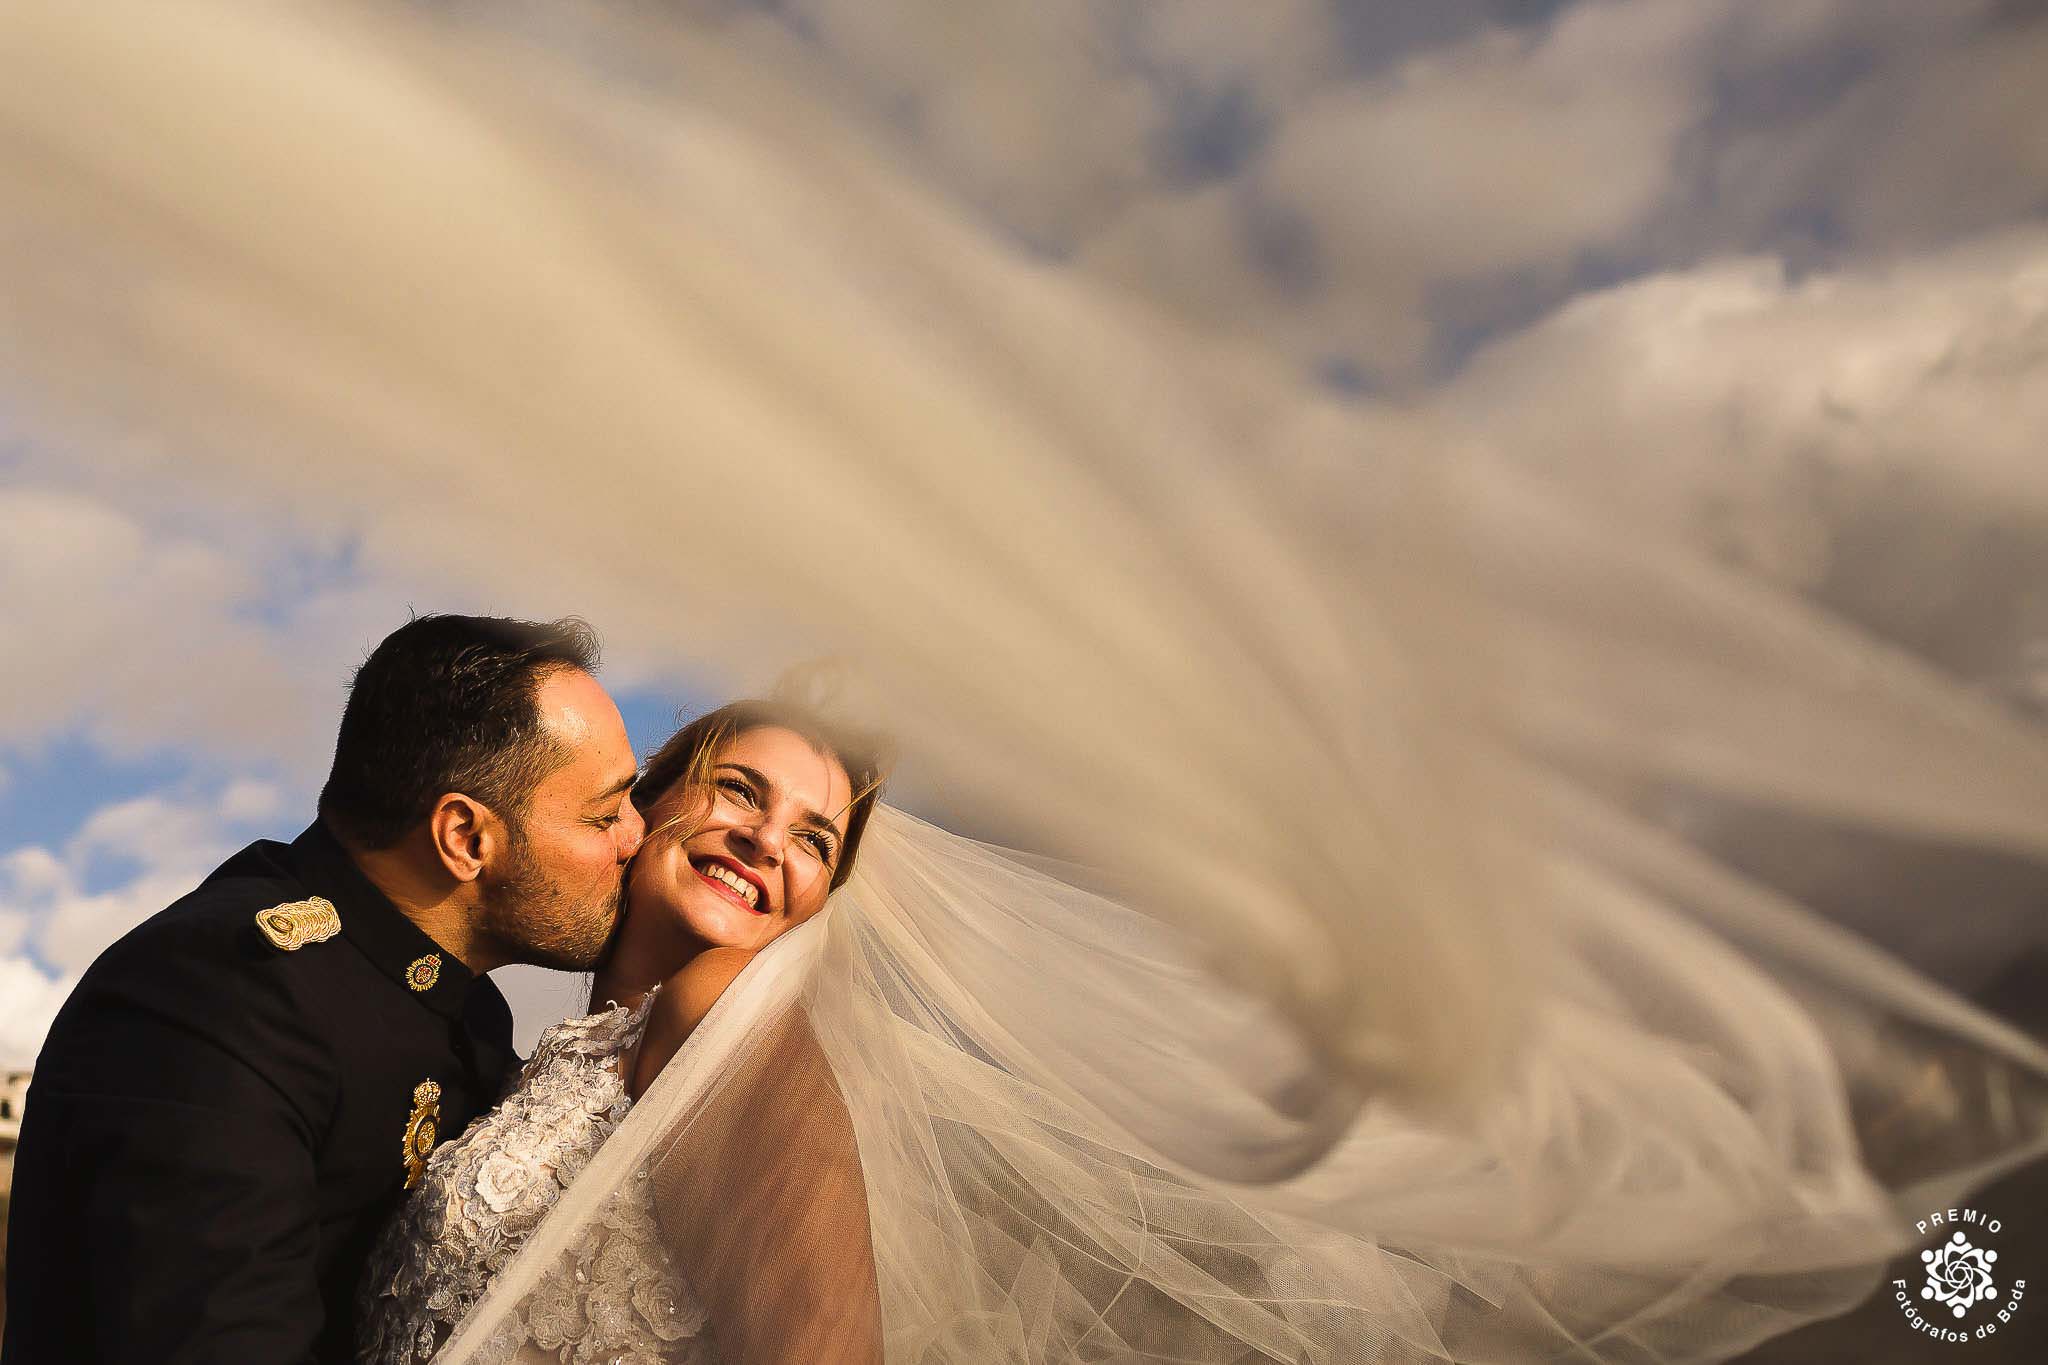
x: 737, y: 788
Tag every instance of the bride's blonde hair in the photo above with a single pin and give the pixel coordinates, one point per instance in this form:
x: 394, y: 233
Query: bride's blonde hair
x: 799, y: 702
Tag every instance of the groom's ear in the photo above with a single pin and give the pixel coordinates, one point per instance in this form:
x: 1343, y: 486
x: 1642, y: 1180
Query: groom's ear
x: 465, y: 834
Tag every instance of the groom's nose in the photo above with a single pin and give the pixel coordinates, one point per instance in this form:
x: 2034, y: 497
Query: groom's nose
x: 632, y: 829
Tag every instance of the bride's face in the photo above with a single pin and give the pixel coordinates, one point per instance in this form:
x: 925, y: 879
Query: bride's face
x: 761, y: 861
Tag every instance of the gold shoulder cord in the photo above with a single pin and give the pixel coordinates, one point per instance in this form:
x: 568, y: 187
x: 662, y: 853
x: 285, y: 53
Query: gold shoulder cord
x: 293, y: 925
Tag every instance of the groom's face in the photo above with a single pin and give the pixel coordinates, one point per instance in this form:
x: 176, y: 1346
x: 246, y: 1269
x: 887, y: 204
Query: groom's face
x: 553, y: 897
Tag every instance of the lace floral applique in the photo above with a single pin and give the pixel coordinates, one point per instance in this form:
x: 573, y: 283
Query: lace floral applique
x: 484, y: 1193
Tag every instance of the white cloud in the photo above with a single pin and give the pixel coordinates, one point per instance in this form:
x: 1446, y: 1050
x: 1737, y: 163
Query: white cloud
x: 167, y: 833
x: 1870, y: 435
x: 1508, y: 152
x: 32, y: 874
x: 152, y: 618
x: 247, y: 802
x: 33, y: 999
x: 140, y: 636
x: 1737, y: 378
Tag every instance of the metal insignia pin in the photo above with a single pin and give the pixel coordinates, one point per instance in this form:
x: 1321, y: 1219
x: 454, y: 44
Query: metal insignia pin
x: 422, y: 1128
x: 424, y: 973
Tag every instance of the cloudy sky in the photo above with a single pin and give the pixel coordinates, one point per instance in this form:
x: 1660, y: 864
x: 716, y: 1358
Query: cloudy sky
x: 1805, y: 241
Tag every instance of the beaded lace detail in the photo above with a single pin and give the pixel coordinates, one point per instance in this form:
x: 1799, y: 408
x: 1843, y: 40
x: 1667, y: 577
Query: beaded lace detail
x: 485, y: 1192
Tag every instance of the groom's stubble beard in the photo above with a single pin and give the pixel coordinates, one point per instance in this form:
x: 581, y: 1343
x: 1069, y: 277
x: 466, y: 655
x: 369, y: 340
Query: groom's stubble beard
x: 534, y: 921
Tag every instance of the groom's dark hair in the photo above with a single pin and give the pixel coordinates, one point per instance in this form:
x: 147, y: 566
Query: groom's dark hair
x: 446, y: 704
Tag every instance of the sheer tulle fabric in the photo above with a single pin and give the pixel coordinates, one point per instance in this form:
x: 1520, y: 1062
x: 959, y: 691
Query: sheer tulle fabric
x: 1042, y: 1083
x: 1382, y: 1022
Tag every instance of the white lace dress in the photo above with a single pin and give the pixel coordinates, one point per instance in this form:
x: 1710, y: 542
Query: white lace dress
x: 484, y: 1193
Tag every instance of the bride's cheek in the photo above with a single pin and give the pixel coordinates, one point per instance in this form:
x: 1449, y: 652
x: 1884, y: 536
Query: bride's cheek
x: 669, y: 893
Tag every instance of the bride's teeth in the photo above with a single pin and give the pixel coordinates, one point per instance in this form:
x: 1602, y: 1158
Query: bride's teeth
x: 736, y: 882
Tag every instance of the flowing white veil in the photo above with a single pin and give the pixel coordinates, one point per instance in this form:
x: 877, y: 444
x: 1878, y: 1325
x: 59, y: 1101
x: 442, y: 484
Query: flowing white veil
x: 1365, y: 1013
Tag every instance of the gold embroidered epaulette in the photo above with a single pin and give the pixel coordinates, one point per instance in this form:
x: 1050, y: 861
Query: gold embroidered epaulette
x: 294, y: 924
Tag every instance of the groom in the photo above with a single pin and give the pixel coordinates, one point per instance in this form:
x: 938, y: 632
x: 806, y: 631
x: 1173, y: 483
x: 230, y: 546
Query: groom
x: 235, y: 1098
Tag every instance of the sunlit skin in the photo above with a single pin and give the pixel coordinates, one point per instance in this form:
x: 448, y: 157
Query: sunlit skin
x: 777, y: 819
x: 553, y: 895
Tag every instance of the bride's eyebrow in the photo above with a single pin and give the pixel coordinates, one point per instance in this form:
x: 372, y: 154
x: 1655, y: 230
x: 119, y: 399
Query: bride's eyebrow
x: 805, y: 816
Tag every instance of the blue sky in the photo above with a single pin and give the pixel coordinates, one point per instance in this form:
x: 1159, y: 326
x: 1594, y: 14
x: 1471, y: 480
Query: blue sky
x: 1777, y: 244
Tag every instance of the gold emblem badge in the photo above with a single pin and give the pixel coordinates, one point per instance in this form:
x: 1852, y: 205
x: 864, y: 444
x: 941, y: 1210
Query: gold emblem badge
x: 424, y: 972
x: 293, y: 925
x: 421, y: 1129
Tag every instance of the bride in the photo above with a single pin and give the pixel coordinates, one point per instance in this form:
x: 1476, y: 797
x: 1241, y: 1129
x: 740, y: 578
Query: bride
x: 755, y: 813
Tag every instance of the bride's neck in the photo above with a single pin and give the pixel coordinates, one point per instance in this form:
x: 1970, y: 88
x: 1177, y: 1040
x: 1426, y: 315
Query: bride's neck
x: 643, y: 957
x: 613, y: 986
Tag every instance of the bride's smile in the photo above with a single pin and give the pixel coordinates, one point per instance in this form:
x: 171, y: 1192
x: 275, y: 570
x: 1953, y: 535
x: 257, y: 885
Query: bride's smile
x: 735, y: 881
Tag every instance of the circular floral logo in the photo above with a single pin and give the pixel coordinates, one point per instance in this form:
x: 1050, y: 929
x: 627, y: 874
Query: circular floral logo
x: 1961, y: 1295
x: 1959, y: 1275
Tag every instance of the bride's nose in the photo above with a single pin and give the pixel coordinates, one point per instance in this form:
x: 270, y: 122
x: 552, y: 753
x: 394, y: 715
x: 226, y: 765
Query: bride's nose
x: 765, y: 838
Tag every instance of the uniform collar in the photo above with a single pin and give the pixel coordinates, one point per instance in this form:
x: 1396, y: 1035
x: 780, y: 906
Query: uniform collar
x: 399, y: 948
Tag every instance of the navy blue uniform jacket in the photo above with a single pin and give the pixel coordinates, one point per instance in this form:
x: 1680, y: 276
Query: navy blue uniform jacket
x: 216, y: 1129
